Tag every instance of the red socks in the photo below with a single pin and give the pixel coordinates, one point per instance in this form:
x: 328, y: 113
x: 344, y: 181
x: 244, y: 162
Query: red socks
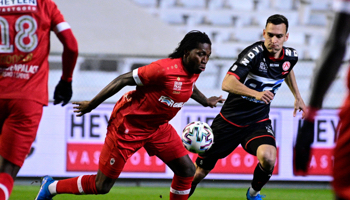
x: 180, y: 187
x: 6, y: 185
x: 79, y: 185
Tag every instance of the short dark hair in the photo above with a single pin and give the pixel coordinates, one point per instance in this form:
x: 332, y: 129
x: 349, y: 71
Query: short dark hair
x: 189, y: 42
x: 277, y: 19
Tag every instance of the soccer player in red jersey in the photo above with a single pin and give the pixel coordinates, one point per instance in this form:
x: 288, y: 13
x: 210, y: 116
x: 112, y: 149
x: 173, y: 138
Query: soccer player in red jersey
x: 327, y: 68
x: 140, y: 119
x: 24, y: 50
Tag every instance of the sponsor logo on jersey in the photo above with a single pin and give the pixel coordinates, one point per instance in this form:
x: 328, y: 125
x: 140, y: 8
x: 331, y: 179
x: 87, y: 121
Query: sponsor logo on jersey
x: 20, y: 71
x: 288, y: 52
x: 260, y: 84
x: 274, y: 65
x: 17, y: 6
x: 250, y: 55
x: 177, y: 85
x: 286, y: 66
x: 233, y: 68
x: 168, y: 101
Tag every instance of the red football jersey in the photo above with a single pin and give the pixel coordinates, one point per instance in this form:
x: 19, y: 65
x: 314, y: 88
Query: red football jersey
x: 24, y: 47
x: 162, y: 89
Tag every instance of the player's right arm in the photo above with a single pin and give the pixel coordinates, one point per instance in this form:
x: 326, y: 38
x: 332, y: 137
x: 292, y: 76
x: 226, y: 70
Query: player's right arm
x: 232, y: 85
x: 112, y: 88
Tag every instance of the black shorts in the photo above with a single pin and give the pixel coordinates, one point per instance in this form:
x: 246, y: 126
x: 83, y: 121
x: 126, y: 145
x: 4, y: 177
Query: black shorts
x: 227, y: 137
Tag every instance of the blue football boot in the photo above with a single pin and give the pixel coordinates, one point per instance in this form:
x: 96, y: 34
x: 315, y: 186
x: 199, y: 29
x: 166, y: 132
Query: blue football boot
x: 257, y: 197
x: 44, y: 193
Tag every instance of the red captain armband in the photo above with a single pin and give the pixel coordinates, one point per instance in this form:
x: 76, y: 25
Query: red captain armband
x: 311, y: 113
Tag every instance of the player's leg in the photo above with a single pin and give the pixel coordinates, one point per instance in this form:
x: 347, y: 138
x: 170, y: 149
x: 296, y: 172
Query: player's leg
x: 166, y: 144
x: 8, y: 173
x: 226, y: 139
x: 111, y: 163
x: 184, y: 170
x: 19, y: 121
x: 202, y: 171
x: 261, y: 143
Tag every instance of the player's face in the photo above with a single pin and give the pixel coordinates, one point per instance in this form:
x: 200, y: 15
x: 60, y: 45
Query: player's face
x: 196, y: 59
x: 275, y: 36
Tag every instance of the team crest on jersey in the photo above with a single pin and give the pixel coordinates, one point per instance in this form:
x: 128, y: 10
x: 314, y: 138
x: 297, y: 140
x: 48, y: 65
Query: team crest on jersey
x: 177, y: 85
x: 262, y: 67
x: 286, y: 66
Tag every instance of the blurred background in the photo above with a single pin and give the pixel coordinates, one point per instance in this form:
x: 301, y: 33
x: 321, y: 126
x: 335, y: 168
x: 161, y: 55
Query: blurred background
x: 116, y: 37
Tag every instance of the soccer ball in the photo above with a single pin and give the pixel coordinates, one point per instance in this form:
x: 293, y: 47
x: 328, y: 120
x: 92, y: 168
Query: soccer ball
x: 197, y: 137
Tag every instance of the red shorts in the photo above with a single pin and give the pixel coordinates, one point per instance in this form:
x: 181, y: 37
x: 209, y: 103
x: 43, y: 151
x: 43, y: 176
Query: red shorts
x: 164, y: 143
x: 341, y: 170
x: 19, y: 121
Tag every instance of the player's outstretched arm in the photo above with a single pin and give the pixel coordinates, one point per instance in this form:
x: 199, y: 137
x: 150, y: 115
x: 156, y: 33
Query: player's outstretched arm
x: 203, y: 100
x: 63, y: 91
x: 112, y: 88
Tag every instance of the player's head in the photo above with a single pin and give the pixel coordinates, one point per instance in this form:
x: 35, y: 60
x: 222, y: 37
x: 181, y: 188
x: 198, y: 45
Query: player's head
x: 275, y: 33
x: 194, y: 49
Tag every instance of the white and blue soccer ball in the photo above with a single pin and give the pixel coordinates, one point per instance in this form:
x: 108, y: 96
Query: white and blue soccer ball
x: 197, y: 137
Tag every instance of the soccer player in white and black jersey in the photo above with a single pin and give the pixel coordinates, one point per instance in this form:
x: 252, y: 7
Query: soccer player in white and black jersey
x: 252, y: 82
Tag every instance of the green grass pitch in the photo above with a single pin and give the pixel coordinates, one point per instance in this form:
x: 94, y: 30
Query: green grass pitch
x: 21, y: 192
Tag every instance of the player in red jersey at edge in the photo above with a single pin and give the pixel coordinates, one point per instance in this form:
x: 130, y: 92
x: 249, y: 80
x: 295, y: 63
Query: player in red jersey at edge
x: 24, y: 50
x: 141, y: 119
x: 327, y: 68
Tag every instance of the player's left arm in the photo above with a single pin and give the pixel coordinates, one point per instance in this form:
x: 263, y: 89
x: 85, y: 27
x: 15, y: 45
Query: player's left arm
x: 299, y: 104
x: 63, y: 91
x: 203, y: 100
x: 112, y: 88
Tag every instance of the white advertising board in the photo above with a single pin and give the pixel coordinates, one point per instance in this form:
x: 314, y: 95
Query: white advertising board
x: 67, y: 146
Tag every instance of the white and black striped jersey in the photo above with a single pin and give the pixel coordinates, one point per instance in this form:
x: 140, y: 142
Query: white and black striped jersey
x: 255, y: 69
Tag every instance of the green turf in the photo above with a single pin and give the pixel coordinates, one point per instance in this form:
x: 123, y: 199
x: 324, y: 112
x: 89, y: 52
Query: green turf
x: 151, y: 193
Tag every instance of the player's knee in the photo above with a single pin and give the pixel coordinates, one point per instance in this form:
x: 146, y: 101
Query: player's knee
x: 190, y: 171
x: 267, y: 161
x: 200, y: 174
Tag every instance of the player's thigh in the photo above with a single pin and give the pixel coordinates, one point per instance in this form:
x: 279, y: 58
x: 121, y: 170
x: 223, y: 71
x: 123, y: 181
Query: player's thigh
x: 19, y: 129
x: 259, y: 134
x: 226, y: 139
x: 114, y: 155
x: 182, y: 166
x: 166, y: 144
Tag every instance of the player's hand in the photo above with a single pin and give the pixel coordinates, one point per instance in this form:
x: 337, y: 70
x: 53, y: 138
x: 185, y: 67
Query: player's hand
x: 82, y: 108
x: 299, y: 105
x: 302, y: 149
x: 212, y: 101
x: 265, y: 96
x: 63, y: 92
